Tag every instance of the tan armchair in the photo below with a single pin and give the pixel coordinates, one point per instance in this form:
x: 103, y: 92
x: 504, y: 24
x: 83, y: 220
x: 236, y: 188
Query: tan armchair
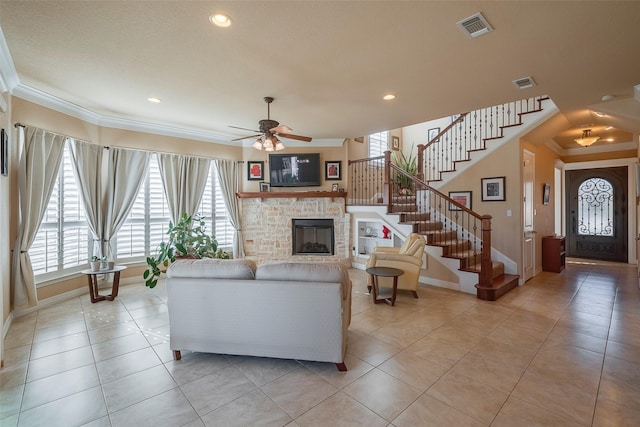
x: 407, y: 258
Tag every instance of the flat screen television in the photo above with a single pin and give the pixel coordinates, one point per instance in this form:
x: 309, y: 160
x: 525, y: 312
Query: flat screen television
x: 294, y: 170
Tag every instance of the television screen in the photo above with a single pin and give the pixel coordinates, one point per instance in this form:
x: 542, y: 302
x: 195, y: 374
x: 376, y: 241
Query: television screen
x: 294, y: 170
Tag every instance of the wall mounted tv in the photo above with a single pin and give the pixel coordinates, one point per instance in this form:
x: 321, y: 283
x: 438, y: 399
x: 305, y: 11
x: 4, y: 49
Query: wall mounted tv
x: 294, y: 170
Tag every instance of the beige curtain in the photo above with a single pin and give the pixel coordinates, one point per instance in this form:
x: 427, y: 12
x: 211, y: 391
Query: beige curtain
x: 125, y: 172
x: 227, y: 171
x: 183, y: 179
x: 87, y: 167
x: 39, y: 164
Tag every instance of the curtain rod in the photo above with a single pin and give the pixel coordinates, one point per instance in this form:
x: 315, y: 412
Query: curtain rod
x: 106, y: 147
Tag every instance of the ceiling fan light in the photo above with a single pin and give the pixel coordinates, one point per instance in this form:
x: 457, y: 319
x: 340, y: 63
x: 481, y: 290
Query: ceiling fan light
x: 268, y: 144
x: 258, y: 144
x: 587, y: 139
x: 279, y: 146
x: 268, y: 148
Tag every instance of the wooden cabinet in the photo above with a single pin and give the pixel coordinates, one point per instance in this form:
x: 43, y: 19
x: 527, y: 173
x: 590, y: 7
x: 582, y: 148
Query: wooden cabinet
x: 553, y: 253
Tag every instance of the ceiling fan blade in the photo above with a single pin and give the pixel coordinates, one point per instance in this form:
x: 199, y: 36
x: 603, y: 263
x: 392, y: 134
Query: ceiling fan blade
x: 251, y: 130
x: 247, y: 137
x: 281, y: 129
x: 298, y: 137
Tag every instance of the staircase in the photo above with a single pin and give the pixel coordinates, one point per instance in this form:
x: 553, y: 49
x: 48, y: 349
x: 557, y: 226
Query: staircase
x: 453, y: 246
x: 460, y: 233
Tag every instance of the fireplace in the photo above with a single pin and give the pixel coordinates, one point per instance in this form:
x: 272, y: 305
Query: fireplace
x: 312, y: 236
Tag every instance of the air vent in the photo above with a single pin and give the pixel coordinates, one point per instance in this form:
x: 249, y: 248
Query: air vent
x: 475, y: 25
x: 524, y: 83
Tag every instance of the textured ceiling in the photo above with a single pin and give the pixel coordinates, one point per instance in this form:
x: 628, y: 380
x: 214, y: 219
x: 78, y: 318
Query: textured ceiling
x: 328, y: 63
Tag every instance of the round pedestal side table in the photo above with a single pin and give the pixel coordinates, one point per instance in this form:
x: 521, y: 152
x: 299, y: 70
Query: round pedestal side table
x: 92, y: 276
x: 376, y: 272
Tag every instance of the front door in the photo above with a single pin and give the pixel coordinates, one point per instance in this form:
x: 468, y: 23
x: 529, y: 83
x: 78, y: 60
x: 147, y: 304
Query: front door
x: 597, y: 214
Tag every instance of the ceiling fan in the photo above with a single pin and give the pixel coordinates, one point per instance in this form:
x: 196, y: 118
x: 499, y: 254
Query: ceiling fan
x: 269, y: 132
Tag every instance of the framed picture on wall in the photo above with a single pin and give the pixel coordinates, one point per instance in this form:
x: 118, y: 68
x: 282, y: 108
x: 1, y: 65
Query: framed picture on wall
x: 255, y: 171
x: 332, y: 170
x: 546, y: 193
x: 264, y: 187
x: 493, y: 189
x: 431, y: 136
x: 462, y: 197
x: 395, y: 143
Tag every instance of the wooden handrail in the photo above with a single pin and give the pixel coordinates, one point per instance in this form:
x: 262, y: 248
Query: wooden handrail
x: 368, y: 159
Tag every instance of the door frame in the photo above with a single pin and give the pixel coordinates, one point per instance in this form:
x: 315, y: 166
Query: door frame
x: 529, y: 234
x: 632, y: 256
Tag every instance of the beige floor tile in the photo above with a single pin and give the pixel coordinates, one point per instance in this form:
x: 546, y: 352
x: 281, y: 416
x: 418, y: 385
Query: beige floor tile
x: 356, y: 368
x: 12, y: 376
x: 106, y: 333
x: 137, y: 387
x: 516, y: 412
x: 58, y: 331
x: 501, y: 376
x: 170, y: 408
x: 472, y: 397
x: 262, y: 370
x: 17, y: 355
x: 60, y: 362
x: 126, y: 364
x: 382, y: 393
x: 74, y: 410
x: 629, y: 353
x: 372, y: 350
x: 298, y: 391
x: 340, y: 410
x: 65, y: 384
x: 413, y: 370
x: 491, y: 349
x: 251, y: 409
x: 11, y: 399
x: 429, y: 411
x: 58, y: 345
x: 620, y: 382
x: 563, y: 338
x: 119, y: 346
x: 434, y: 351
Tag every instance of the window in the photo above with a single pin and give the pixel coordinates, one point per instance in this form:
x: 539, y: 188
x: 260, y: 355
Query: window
x: 64, y: 244
x: 214, y: 210
x: 378, y: 144
x: 63, y: 241
x: 595, y: 208
x: 146, y: 225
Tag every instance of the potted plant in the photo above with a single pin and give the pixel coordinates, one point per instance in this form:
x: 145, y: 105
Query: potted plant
x: 408, y: 164
x: 95, y: 263
x: 187, y: 238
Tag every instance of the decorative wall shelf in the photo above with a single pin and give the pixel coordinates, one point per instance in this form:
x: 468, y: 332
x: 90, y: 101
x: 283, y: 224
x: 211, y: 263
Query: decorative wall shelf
x: 291, y: 194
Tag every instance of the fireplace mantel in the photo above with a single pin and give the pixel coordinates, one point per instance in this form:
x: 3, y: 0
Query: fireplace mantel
x: 290, y: 194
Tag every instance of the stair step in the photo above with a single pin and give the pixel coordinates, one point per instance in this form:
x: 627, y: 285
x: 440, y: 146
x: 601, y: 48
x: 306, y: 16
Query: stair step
x: 414, y: 216
x: 497, y: 266
x: 427, y: 226
x: 453, y: 246
x: 404, y: 207
x: 499, y: 286
x: 435, y: 237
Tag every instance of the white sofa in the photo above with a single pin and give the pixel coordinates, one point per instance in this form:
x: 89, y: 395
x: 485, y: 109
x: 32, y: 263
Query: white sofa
x: 283, y: 310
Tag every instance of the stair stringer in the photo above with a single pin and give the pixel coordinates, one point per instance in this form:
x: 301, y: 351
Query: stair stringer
x: 529, y: 122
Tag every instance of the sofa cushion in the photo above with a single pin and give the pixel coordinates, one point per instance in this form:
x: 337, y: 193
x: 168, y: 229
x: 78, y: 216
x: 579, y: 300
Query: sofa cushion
x: 213, y: 268
x: 331, y: 272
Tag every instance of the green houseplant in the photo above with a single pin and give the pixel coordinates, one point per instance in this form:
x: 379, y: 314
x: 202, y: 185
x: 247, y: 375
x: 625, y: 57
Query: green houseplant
x: 408, y: 164
x: 187, y: 238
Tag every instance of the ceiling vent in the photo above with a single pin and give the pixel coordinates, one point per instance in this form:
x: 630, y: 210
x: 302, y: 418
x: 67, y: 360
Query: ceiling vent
x: 524, y: 83
x: 475, y: 25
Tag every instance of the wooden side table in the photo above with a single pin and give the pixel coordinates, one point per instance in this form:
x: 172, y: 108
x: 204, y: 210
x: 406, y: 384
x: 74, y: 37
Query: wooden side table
x: 92, y: 276
x: 376, y: 272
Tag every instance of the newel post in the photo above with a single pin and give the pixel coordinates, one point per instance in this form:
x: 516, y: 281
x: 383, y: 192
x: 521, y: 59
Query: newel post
x: 420, y: 174
x: 388, y: 188
x: 486, y: 266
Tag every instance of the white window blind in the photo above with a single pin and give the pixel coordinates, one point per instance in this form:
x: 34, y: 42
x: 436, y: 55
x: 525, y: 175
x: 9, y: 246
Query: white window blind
x: 378, y: 143
x: 146, y: 224
x: 63, y: 240
x: 214, y: 210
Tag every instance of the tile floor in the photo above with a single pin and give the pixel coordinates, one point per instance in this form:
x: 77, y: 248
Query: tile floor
x: 563, y: 350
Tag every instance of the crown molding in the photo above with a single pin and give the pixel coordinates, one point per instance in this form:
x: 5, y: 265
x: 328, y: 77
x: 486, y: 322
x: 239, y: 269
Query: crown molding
x: 8, y: 75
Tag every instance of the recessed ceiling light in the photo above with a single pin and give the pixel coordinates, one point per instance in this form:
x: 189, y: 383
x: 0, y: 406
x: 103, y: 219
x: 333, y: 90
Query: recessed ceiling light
x: 608, y: 128
x: 600, y: 114
x: 220, y: 20
x: 154, y: 100
x: 389, y: 97
x: 608, y: 97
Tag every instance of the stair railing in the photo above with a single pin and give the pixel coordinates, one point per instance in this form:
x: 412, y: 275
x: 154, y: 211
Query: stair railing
x: 368, y: 179
x: 461, y: 232
x: 468, y: 133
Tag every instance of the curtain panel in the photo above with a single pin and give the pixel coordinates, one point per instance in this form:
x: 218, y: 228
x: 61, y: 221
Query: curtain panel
x: 229, y: 184
x: 183, y: 179
x: 39, y: 164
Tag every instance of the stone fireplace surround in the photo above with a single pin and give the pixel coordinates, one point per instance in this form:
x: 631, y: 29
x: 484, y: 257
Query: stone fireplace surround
x: 266, y: 224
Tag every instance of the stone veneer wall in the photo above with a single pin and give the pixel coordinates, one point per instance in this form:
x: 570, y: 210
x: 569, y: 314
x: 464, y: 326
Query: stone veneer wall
x: 266, y: 227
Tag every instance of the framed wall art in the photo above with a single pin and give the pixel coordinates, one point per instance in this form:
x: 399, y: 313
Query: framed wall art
x: 493, y: 189
x: 332, y: 170
x: 395, y: 143
x: 255, y: 171
x: 431, y: 135
x: 265, y: 187
x: 546, y: 193
x: 462, y: 197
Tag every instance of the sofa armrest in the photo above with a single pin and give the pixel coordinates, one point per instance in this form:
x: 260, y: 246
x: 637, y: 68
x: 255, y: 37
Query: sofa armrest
x: 386, y: 249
